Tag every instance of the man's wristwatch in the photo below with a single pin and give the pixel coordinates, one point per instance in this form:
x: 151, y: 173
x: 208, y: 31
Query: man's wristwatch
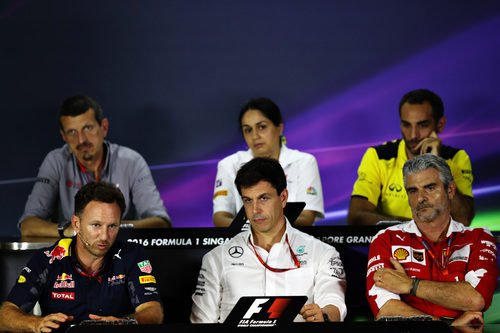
x: 62, y: 225
x: 447, y: 320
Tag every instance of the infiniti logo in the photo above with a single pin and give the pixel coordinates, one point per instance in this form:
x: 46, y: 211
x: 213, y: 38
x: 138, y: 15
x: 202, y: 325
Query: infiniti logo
x: 235, y: 251
x: 396, y: 187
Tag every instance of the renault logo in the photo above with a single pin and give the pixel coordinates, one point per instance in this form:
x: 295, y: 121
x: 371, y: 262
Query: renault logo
x: 235, y: 251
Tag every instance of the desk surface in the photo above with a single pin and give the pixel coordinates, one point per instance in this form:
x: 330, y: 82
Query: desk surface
x: 348, y: 327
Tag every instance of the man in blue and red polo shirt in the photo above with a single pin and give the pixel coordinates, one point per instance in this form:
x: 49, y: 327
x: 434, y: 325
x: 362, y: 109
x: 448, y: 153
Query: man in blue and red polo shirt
x: 88, y: 276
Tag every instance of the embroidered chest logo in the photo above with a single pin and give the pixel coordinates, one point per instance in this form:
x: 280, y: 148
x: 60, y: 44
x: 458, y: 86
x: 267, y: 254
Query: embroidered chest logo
x: 58, y: 253
x: 461, y: 254
x: 407, y: 254
x: 63, y: 296
x: 401, y: 254
x: 147, y: 279
x: 235, y: 251
x: 64, y: 281
x: 116, y: 280
x: 418, y: 255
x: 311, y: 190
x: 395, y: 187
x: 117, y: 255
x: 145, y: 266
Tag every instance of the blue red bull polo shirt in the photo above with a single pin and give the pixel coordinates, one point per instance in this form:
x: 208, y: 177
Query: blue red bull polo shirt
x: 54, y: 278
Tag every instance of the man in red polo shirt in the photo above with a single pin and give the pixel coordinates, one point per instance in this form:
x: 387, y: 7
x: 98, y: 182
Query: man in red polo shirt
x: 431, y: 265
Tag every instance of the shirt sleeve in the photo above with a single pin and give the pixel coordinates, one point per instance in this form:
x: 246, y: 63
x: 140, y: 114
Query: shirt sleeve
x: 145, y: 195
x: 30, y: 283
x: 142, y: 284
x: 208, y: 293
x: 368, y: 184
x: 42, y: 202
x: 225, y: 193
x: 378, y: 257
x: 309, y: 186
x: 482, y: 269
x: 461, y: 170
x: 330, y: 282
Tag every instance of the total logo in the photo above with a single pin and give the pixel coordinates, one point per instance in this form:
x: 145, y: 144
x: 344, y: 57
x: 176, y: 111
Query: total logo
x: 63, y: 296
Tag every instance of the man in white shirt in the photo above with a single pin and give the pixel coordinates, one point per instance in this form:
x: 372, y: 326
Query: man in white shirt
x: 271, y: 258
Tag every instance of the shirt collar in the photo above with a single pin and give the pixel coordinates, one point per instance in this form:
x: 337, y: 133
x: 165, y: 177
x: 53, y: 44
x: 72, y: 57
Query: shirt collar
x: 411, y: 227
x: 288, y: 231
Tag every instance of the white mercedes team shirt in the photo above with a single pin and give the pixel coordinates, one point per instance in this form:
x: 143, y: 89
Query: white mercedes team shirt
x: 302, y: 178
x: 232, y: 270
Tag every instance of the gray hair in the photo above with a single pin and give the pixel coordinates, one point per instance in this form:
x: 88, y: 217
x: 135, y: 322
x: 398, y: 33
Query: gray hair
x: 427, y: 161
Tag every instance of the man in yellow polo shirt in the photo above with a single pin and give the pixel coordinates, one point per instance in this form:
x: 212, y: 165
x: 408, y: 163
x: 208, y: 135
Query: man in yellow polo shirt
x: 379, y: 193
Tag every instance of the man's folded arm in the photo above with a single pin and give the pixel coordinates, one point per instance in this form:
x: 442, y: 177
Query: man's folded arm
x: 452, y: 295
x: 395, y: 307
x: 35, y: 226
x: 363, y: 212
x: 149, y: 222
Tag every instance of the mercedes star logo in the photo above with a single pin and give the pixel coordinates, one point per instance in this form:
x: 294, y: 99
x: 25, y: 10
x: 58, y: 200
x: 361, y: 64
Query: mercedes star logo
x: 235, y: 251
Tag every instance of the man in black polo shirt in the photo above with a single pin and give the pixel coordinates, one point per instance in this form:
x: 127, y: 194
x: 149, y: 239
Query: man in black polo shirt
x: 88, y: 276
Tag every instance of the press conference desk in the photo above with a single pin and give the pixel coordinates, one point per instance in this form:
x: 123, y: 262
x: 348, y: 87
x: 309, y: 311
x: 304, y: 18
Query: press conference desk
x: 176, y: 258
x: 347, y: 327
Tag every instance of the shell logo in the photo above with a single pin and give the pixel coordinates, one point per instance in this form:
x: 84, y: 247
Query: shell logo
x: 401, y: 254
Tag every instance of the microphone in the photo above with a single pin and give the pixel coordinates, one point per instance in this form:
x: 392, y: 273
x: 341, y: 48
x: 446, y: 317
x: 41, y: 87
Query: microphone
x: 83, y: 240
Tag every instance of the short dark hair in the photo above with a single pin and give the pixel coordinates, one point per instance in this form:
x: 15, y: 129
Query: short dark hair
x: 419, y: 96
x: 101, y: 192
x: 263, y: 104
x: 258, y: 169
x: 78, y: 104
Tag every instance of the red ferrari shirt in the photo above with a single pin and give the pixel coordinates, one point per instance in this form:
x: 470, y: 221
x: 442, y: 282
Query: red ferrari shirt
x: 466, y: 254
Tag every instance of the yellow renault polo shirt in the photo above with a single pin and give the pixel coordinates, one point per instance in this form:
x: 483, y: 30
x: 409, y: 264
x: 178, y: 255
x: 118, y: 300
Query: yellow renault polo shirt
x: 380, y: 176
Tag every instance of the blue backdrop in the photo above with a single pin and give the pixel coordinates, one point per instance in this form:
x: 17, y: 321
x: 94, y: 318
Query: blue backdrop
x: 172, y: 75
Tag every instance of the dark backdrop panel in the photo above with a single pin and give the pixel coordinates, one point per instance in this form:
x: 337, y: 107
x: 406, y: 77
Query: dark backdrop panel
x: 172, y: 75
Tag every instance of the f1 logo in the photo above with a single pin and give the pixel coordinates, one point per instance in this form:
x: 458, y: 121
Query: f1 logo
x: 275, y: 310
x: 255, y: 307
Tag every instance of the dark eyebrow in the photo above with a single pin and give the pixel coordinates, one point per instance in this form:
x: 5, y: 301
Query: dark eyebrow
x: 429, y: 185
x: 424, y: 122
x: 258, y: 123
